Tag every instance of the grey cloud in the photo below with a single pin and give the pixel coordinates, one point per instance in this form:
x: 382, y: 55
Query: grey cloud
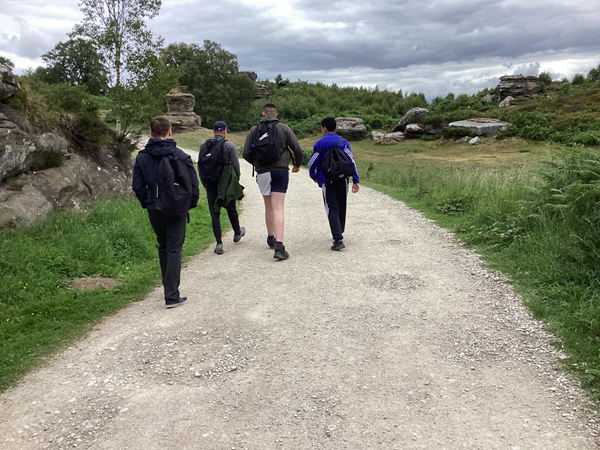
x: 532, y: 69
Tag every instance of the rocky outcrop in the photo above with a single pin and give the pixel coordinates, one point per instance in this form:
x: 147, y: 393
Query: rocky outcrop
x: 9, y: 85
x: 517, y: 85
x: 180, y: 110
x: 350, y: 128
x: 262, y: 91
x: 414, y: 115
x: 21, y: 152
x: 397, y: 136
x: 414, y: 131
x: 252, y: 75
x: 481, y: 126
x: 28, y: 198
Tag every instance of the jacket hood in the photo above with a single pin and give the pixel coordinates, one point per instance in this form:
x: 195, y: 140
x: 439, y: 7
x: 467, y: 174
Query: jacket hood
x: 327, y: 142
x: 269, y: 119
x: 160, y: 147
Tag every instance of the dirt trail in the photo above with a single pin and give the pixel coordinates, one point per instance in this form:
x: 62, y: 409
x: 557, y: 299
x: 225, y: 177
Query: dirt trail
x: 401, y: 341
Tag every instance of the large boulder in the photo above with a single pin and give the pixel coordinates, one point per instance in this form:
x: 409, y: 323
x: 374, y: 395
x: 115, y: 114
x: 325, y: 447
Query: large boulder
x: 262, y: 91
x: 517, y: 85
x: 506, y: 102
x: 21, y: 152
x: 28, y: 198
x: 180, y: 110
x: 414, y: 131
x: 350, y: 128
x: 397, y: 136
x: 9, y: 85
x: 481, y: 126
x: 414, y: 115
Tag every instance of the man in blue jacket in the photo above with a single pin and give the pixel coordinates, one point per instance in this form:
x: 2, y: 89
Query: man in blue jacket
x: 169, y: 229
x: 335, y: 193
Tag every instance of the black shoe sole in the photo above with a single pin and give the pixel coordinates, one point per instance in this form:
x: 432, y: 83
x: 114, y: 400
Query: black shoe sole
x: 337, y: 248
x: 281, y: 257
x: 175, y: 305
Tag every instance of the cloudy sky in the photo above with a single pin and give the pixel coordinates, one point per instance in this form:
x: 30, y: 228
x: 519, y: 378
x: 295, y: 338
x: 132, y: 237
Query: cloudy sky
x: 431, y: 46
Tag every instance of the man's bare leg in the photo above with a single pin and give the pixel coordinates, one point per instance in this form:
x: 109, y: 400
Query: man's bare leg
x: 269, y: 215
x: 277, y: 205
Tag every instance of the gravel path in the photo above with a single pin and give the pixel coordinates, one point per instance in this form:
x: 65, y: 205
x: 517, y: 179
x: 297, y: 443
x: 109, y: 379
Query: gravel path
x: 401, y: 341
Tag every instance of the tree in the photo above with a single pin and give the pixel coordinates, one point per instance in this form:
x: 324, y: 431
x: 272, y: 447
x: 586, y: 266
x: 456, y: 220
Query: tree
x: 211, y: 74
x: 578, y: 78
x: 117, y: 27
x: 594, y: 74
x: 545, y: 78
x: 4, y: 61
x: 138, y: 78
x: 76, y: 62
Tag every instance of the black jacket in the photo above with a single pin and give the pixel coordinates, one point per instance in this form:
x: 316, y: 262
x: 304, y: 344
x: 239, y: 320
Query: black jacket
x: 146, y: 168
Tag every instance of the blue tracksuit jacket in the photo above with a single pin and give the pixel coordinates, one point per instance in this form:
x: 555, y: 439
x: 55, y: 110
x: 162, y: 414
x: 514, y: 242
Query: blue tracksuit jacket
x: 318, y: 155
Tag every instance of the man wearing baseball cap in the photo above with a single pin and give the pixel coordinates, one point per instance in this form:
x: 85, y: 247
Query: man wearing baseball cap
x: 214, y: 154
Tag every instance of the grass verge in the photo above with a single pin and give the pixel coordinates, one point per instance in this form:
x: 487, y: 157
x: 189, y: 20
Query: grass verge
x: 536, y: 223
x: 40, y: 312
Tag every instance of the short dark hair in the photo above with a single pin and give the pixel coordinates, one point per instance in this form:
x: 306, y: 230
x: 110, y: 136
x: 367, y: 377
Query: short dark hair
x: 329, y: 123
x: 160, y: 126
x: 269, y: 109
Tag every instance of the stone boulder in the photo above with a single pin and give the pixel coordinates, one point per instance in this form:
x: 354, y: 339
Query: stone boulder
x: 376, y: 135
x: 414, y: 115
x: 350, y: 128
x: 283, y: 83
x: 517, y: 85
x: 506, y: 102
x: 180, y: 110
x: 28, y: 198
x: 475, y: 141
x: 397, y: 136
x: 487, y: 98
x: 9, y: 85
x: 414, y: 131
x: 481, y: 126
x: 262, y: 91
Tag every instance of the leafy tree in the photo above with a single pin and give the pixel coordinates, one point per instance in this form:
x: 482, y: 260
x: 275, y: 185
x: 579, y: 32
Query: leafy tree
x: 545, y: 78
x: 211, y: 74
x: 278, y: 78
x: 118, y: 28
x: 76, y: 62
x: 6, y: 62
x: 578, y: 78
x: 594, y: 74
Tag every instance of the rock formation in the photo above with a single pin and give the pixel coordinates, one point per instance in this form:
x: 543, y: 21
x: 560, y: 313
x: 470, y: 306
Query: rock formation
x: 252, y: 75
x: 180, y: 110
x: 350, y: 128
x: 481, y: 126
x: 9, y: 84
x: 414, y: 115
x: 517, y: 85
x: 262, y: 91
x: 506, y: 102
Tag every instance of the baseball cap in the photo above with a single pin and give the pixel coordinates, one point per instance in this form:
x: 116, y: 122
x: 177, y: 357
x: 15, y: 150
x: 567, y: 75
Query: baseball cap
x: 220, y: 126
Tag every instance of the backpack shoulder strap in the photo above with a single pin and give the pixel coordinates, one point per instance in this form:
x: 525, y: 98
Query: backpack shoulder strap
x: 339, y: 143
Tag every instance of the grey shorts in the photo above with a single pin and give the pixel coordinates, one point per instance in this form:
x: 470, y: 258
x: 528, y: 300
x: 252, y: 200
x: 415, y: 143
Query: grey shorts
x: 274, y: 181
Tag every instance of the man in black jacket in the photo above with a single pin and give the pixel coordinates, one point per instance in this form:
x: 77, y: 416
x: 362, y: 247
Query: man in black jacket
x: 169, y: 229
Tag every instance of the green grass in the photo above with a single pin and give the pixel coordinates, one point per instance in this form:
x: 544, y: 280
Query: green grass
x: 40, y: 312
x: 537, y: 224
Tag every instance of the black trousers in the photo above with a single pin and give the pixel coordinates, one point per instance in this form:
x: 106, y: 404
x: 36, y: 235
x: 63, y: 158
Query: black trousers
x: 212, y: 192
x: 170, y: 234
x: 335, y: 198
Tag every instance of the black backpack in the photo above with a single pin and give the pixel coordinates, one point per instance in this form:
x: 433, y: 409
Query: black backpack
x: 264, y: 147
x: 173, y: 190
x: 211, y: 159
x: 336, y: 165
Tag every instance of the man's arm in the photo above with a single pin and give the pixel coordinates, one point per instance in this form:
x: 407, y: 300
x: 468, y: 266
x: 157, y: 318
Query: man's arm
x: 312, y: 165
x: 292, y: 142
x: 139, y: 185
x: 348, y: 152
x: 233, y: 157
x: 246, y: 153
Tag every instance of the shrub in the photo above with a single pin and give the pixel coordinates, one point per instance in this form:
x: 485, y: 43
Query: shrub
x: 545, y: 78
x: 578, y: 79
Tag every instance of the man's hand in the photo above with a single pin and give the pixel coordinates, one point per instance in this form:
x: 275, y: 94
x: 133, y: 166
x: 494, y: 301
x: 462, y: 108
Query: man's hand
x: 355, y: 188
x: 295, y: 169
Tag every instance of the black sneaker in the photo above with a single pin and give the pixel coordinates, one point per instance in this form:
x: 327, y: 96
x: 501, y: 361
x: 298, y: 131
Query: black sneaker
x: 338, y: 245
x: 175, y: 303
x: 271, y: 241
x: 219, y: 249
x: 237, y: 237
x: 280, y: 252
